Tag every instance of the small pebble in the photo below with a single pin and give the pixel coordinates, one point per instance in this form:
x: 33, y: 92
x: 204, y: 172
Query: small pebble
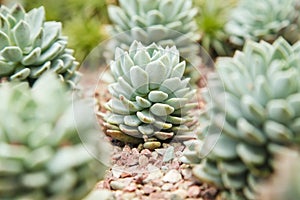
x: 118, y: 194
x: 179, y: 194
x: 148, y: 189
x: 116, y: 156
x: 175, y: 164
x: 167, y: 186
x: 172, y: 176
x: 126, y: 181
x: 100, y: 194
x: 126, y: 148
x: 187, y: 173
x: 165, y: 145
x: 117, y: 185
x: 140, y: 147
x: 164, y: 168
x: 130, y: 188
x: 146, y: 152
x: 157, y: 182
x: 153, y: 175
x: 157, y: 196
x: 151, y: 145
x: 143, y: 160
x: 152, y: 168
x: 158, y: 189
x: 178, y: 153
x: 169, y: 154
x: 194, y: 191
x: 132, y: 161
x: 160, y: 151
x: 135, y: 151
x: 125, y: 174
x: 154, y: 155
x: 186, y: 185
x: 128, y: 196
x: 139, y: 192
x: 116, y: 172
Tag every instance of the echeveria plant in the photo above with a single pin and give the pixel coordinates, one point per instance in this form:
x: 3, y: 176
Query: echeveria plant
x: 150, y: 98
x: 260, y: 115
x: 29, y: 46
x: 41, y: 153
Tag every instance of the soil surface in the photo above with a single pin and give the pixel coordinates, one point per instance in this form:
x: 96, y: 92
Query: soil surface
x: 148, y: 175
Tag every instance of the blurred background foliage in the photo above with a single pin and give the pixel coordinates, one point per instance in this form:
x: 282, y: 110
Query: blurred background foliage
x: 83, y: 21
x: 211, y: 19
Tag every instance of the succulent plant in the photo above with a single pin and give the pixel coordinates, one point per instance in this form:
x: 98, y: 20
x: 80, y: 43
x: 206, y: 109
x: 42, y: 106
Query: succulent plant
x: 164, y: 22
x: 29, y: 46
x: 257, y: 113
x: 264, y: 20
x: 211, y: 20
x: 41, y: 154
x: 285, y: 182
x: 150, y: 99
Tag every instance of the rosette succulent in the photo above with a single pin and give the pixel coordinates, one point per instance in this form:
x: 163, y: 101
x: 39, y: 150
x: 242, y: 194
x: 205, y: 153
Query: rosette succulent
x: 257, y: 113
x: 29, y: 46
x: 164, y: 22
x: 264, y: 20
x: 41, y: 154
x: 150, y: 99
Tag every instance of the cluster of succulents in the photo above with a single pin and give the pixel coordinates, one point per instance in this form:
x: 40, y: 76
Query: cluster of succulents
x: 252, y: 108
x: 286, y: 180
x: 41, y: 154
x: 164, y: 22
x: 29, y: 46
x: 264, y: 20
x: 211, y: 20
x: 257, y: 113
x: 150, y: 98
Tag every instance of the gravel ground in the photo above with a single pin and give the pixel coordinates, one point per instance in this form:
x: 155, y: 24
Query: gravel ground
x: 159, y: 174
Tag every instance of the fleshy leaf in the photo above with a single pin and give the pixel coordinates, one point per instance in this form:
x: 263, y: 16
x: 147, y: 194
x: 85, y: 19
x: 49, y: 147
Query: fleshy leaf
x: 157, y: 96
x: 12, y: 53
x: 139, y: 79
x: 160, y: 109
x: 4, y: 41
x: 21, y: 34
